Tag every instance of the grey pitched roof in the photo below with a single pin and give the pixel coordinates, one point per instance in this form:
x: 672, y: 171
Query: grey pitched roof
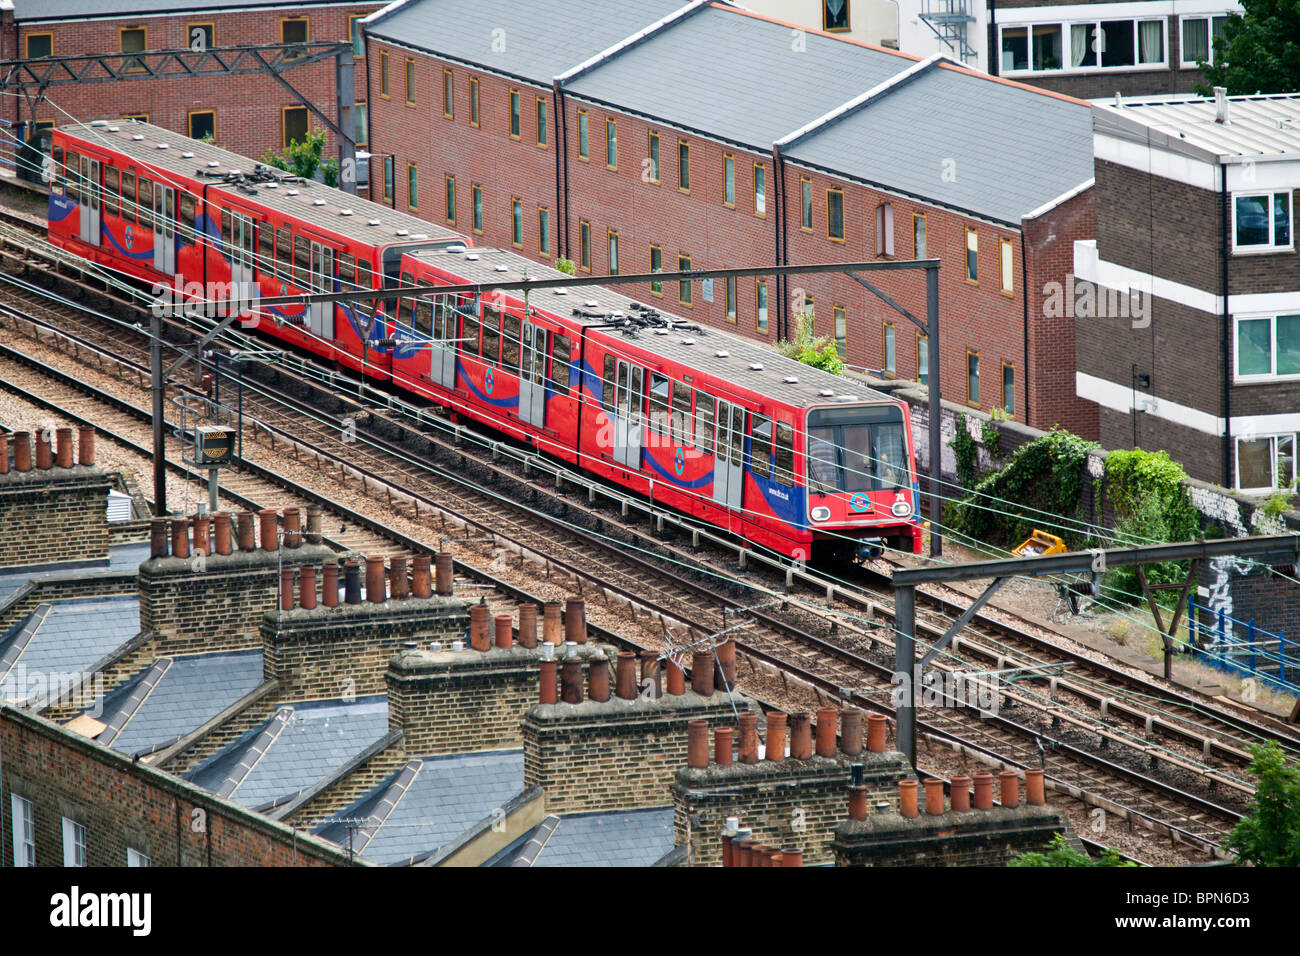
x: 439, y: 802
x: 125, y: 557
x: 1011, y: 149
x: 535, y: 41
x: 627, y: 838
x: 189, y: 691
x: 281, y: 757
x: 26, y: 10
x: 68, y: 637
x: 737, y: 77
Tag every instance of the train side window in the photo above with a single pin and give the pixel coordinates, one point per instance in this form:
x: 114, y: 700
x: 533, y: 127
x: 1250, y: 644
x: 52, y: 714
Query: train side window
x: 186, y: 227
x: 406, y: 304
x: 683, y: 423
x: 424, y: 316
x: 510, y: 341
x: 228, y: 232
x: 705, y: 409
x: 760, y: 447
x: 265, y: 249
x: 284, y: 254
x: 607, y: 384
x: 56, y: 169
x: 347, y: 272
x: 470, y: 334
x: 783, y: 466
x: 302, y: 261
x: 112, y: 204
x: 128, y: 196
x: 365, y: 277
x: 146, y: 203
x: 491, y: 334
x: 659, y: 396
x: 560, y: 362
x: 74, y: 177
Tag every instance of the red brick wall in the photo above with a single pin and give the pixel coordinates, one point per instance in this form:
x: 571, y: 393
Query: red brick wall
x: 248, y: 107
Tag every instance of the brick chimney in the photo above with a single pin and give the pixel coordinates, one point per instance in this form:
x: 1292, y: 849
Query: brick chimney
x: 55, y: 509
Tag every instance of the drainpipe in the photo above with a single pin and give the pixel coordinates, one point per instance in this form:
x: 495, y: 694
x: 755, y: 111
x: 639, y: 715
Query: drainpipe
x: 1229, y: 479
x: 370, y: 179
x: 561, y: 163
x: 991, y: 47
x: 1024, y: 295
x: 778, y: 210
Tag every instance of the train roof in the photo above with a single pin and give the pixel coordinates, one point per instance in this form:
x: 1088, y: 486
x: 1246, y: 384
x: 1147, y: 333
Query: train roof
x: 314, y: 203
x: 724, y: 355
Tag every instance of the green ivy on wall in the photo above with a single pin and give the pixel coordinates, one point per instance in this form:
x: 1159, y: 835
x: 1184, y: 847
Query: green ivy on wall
x: 1148, y: 495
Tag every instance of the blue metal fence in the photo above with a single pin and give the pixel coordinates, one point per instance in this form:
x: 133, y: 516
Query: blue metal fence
x: 1268, y: 657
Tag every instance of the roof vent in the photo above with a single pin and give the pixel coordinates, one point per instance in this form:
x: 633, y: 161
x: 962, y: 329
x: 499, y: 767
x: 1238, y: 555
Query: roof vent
x: 615, y: 314
x: 372, y: 222
x: 410, y: 645
x: 458, y: 646
x: 661, y: 331
x: 137, y: 137
x: 420, y: 235
x: 472, y: 256
x: 187, y: 155
x: 560, y: 291
x: 846, y: 398
x: 99, y: 123
x: 161, y: 146
x: 403, y: 232
x: 688, y: 341
x: 271, y: 185
x: 502, y: 267
x: 1221, y: 105
x: 722, y: 353
x: 791, y: 379
x: 318, y: 202
x: 345, y: 212
x: 435, y: 646
x: 756, y: 366
x: 292, y: 192
x: 591, y: 304
x: 455, y: 249
x: 115, y: 129
x: 213, y: 164
x: 236, y: 172
x: 825, y: 392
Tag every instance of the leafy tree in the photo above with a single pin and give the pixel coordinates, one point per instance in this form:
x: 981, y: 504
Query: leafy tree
x: 566, y: 266
x: 1060, y: 853
x: 1269, y: 833
x: 819, y: 352
x: 1149, y: 497
x: 1258, y: 52
x: 302, y: 159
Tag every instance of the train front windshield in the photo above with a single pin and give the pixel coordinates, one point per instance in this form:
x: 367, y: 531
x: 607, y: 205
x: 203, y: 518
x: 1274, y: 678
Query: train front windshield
x: 863, y: 448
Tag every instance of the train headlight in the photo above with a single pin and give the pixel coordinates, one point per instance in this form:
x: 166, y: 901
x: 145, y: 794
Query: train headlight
x: 821, y: 513
x: 901, y: 508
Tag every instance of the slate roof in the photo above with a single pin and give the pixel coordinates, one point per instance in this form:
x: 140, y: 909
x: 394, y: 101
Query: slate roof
x: 66, y: 637
x: 26, y: 10
x: 534, y: 41
x: 433, y: 801
x: 126, y: 557
x: 627, y: 838
x: 283, y: 756
x: 174, y: 696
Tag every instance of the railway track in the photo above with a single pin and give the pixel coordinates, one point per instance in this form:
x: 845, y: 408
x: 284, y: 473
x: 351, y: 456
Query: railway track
x: 851, y: 666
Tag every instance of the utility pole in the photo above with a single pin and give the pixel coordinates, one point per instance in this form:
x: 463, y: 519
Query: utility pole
x: 159, y: 441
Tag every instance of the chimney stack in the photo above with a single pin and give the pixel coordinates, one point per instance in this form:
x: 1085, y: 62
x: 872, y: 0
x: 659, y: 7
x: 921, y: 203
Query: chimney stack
x: 598, y: 678
x: 420, y: 581
x: 64, y: 455
x: 22, y: 451
x: 86, y: 445
x: 575, y: 621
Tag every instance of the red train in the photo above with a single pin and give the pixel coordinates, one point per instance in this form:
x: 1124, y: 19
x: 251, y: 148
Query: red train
x: 793, y: 459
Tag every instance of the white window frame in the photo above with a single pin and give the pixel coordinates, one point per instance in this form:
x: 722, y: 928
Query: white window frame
x: 1271, y: 375
x: 74, y: 843
x: 135, y: 858
x: 1270, y: 247
x: 1007, y: 259
x: 24, y: 829
x: 1272, y: 438
x: 1183, y: 62
x: 1066, y: 26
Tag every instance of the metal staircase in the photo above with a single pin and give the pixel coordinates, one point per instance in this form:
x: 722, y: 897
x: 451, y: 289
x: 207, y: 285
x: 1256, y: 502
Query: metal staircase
x: 949, y: 20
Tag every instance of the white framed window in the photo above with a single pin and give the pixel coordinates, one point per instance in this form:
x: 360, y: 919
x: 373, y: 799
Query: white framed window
x: 1266, y: 347
x: 74, y: 843
x: 1077, y: 47
x: 135, y: 858
x: 24, y: 823
x: 1261, y: 222
x: 1198, y: 34
x: 1265, y: 462
x: 1008, y: 261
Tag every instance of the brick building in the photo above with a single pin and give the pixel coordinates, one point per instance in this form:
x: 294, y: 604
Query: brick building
x: 776, y: 144
x: 247, y: 113
x: 1192, y: 201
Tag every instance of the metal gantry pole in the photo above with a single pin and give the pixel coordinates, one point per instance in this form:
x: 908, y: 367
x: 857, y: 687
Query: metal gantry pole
x: 159, y: 441
x: 905, y: 668
x: 936, y: 407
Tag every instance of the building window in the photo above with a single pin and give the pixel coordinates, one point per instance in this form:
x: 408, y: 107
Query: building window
x: 473, y: 101
x: 358, y: 40
x: 1267, y: 347
x: 835, y: 215
x: 541, y: 122
x: 448, y: 95
x: 841, y: 316
x: 684, y: 285
x: 74, y: 843
x: 135, y: 858
x: 476, y: 200
x: 885, y: 229
x: 760, y: 304
x: 611, y: 144
x: 972, y: 256
x: 1266, y: 463
x: 1008, y: 276
x: 361, y: 122
x: 684, y: 166
x: 613, y: 252
x: 889, y: 352
x: 583, y: 145
x: 656, y: 265
x: 1261, y: 222
x: 517, y: 222
x: 388, y: 178
x: 731, y: 298
x: 451, y: 200
x: 384, y: 88
x: 923, y: 358
x: 410, y: 82
x: 203, y: 124
x: 544, y: 231
x: 584, y: 245
x: 760, y: 190
x: 39, y: 45
x: 805, y: 205
x: 293, y: 125
x: 728, y: 180
x: 133, y: 40
x: 1008, y: 388
x: 918, y: 236
x: 412, y: 187
x: 972, y: 378
x: 294, y: 30
x: 1075, y: 47
x: 835, y: 14
x: 1199, y: 34
x: 24, y: 833
x: 200, y: 36
x: 654, y: 157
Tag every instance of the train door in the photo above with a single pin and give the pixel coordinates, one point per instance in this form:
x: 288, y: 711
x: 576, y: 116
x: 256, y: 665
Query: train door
x: 532, y: 375
x: 164, y: 239
x: 442, y: 367
x: 90, y: 199
x: 729, y: 459
x: 627, y: 415
x: 321, y: 318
